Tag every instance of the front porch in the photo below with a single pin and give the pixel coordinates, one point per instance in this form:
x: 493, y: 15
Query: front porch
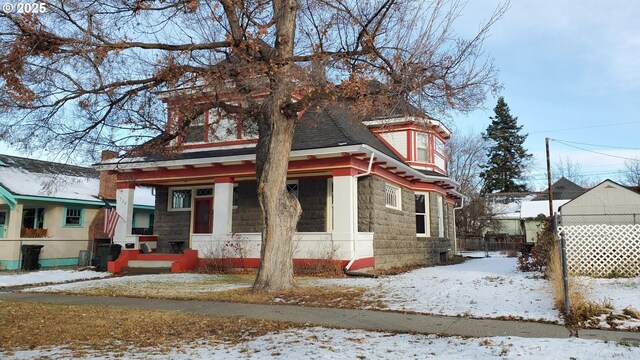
x: 222, y: 220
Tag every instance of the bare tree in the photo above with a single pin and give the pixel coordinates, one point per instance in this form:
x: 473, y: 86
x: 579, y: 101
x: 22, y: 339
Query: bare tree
x: 631, y: 174
x: 465, y: 154
x: 567, y: 168
x: 85, y: 74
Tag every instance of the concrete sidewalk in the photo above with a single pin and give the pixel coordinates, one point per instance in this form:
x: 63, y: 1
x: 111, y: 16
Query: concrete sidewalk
x: 343, y: 318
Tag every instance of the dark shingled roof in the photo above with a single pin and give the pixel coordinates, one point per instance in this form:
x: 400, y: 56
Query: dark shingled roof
x: 47, y: 167
x: 563, y: 189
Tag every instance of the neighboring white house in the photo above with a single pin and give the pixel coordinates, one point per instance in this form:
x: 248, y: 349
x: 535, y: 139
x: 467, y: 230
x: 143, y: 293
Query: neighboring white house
x: 602, y: 232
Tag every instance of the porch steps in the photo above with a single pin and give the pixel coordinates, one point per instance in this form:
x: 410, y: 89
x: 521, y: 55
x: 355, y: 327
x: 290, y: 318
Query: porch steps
x: 150, y: 264
x: 134, y: 261
x: 144, y: 270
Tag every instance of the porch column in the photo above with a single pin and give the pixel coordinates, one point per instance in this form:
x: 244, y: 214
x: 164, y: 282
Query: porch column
x: 345, y: 208
x: 15, y: 223
x: 124, y: 208
x: 222, y: 205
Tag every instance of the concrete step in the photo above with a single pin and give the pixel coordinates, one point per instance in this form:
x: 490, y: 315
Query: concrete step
x: 144, y: 270
x: 150, y: 264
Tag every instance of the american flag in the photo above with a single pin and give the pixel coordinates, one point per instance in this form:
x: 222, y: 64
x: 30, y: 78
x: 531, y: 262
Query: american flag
x: 110, y: 219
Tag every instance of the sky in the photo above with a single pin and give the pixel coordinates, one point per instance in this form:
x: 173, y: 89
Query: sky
x: 571, y: 72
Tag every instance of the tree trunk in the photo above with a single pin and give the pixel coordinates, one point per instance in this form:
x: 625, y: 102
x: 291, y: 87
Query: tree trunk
x: 280, y: 209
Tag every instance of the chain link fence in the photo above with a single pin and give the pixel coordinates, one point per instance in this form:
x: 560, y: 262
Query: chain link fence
x: 54, y: 254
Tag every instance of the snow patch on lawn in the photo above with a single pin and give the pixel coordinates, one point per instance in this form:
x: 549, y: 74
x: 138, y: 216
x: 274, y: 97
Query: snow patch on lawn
x: 200, y: 283
x: 322, y: 343
x: 488, y: 288
x: 620, y: 293
x: 48, y: 277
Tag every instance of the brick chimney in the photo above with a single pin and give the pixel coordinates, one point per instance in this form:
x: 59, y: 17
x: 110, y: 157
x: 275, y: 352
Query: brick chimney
x: 107, y: 181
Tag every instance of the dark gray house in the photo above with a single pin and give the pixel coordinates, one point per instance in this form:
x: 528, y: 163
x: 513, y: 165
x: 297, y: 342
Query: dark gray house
x: 374, y: 193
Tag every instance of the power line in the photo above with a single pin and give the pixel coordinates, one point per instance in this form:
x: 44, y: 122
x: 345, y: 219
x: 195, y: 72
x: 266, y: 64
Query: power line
x: 588, y: 144
x: 595, y: 152
x: 585, y: 127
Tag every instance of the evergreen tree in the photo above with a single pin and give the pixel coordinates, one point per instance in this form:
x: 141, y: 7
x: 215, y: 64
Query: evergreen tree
x: 507, y: 159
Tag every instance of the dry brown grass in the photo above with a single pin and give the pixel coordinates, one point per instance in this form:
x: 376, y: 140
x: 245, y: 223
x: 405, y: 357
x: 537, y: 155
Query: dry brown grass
x: 317, y: 296
x: 111, y: 329
x: 582, y: 310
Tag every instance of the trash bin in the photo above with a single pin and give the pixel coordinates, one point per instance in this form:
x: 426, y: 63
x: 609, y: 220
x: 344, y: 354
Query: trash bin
x: 106, y: 253
x: 30, y: 256
x: 84, y: 258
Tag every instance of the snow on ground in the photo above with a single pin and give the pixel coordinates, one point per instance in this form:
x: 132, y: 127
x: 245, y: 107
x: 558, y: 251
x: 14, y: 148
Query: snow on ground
x: 620, y: 293
x: 322, y: 343
x: 165, y: 283
x: 48, y: 277
x: 488, y: 287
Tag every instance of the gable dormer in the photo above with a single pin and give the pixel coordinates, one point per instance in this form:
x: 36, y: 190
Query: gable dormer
x: 418, y: 141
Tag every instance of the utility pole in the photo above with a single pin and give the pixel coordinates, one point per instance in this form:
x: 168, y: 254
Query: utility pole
x: 546, y: 141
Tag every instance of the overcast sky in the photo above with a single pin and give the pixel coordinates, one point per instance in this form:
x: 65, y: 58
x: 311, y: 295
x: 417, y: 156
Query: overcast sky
x: 571, y: 71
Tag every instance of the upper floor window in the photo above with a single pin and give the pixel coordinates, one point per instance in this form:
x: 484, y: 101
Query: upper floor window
x: 221, y: 126
x: 439, y: 146
x: 422, y: 147
x: 393, y: 197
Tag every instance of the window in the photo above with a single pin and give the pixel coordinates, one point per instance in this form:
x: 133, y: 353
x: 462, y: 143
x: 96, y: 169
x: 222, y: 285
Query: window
x: 393, y: 196
x: 292, y: 187
x: 440, y: 216
x: 33, y: 218
x: 236, y: 195
x: 221, y: 126
x: 439, y: 146
x: 422, y: 215
x: 422, y: 148
x: 72, y: 217
x: 206, y: 192
x: 180, y: 199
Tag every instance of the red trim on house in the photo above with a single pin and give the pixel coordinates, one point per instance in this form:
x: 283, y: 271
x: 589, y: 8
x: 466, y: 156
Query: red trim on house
x: 147, y: 238
x: 223, y: 180
x: 344, y: 172
x: 363, y: 263
x: 126, y: 185
x: 219, y: 144
x: 409, y: 145
x: 338, y: 166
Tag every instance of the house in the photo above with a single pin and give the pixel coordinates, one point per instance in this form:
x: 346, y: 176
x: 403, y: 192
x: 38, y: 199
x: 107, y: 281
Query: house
x: 602, y: 231
x: 374, y: 193
x: 55, y: 205
x: 520, y: 215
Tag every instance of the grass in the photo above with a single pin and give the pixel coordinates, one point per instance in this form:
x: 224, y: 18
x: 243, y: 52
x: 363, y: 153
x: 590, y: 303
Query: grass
x: 81, y: 327
x: 319, y: 296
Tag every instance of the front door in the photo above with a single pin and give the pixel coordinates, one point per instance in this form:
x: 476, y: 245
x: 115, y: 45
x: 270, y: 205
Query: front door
x: 203, y: 216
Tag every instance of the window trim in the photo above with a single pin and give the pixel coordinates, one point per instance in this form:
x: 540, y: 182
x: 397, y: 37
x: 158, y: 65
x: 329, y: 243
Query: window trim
x: 170, y: 199
x: 398, y: 197
x: 36, y: 219
x: 440, y: 202
x: 65, y: 216
x: 426, y: 214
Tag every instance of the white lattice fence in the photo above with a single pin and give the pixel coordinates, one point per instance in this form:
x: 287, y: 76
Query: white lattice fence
x: 601, y: 250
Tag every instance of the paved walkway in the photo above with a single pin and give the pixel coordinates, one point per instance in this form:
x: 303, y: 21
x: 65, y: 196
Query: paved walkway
x: 344, y: 318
